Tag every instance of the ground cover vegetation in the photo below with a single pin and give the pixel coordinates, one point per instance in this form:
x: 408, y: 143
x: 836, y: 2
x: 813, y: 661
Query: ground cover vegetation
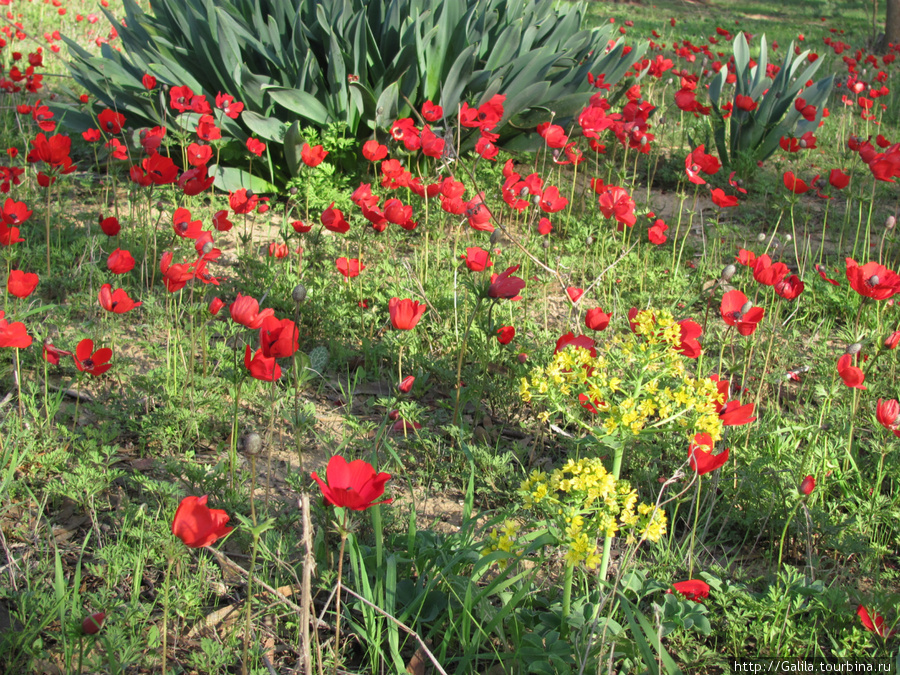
x: 564, y: 342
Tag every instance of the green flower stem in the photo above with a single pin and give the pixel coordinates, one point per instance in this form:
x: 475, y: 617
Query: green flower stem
x: 607, y: 540
x: 568, y: 581
x: 232, y: 451
x: 47, y: 227
x: 694, y: 529
x: 165, y: 627
x: 787, y: 524
x: 337, y: 594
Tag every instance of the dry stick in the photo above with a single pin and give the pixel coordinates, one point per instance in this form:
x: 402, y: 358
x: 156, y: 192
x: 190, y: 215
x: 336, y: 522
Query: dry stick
x: 309, y: 562
x: 406, y: 628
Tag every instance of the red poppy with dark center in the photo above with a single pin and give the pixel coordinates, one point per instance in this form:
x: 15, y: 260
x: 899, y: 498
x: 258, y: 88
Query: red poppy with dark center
x: 278, y: 339
x: 89, y: 361
x: 256, y: 146
x: 506, y: 334
x: 197, y: 525
x: 116, y: 301
x: 111, y: 122
x: 822, y: 273
x: 790, y: 287
x: 872, y: 280
x: 739, y: 312
x: 700, y: 455
x: 354, y: 485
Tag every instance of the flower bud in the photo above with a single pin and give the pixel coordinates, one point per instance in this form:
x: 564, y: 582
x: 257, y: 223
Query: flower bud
x: 807, y: 485
x: 728, y: 272
x: 855, y: 348
x: 495, y: 236
x: 589, y: 241
x: 299, y: 293
x: 523, y: 357
x: 761, y: 237
x: 746, y: 307
x: 92, y: 624
x: 293, y: 191
x: 251, y: 444
x: 207, y: 247
x: 890, y: 222
x: 407, y: 384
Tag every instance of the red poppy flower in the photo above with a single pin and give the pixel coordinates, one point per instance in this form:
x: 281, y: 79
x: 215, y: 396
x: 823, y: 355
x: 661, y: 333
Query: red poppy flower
x: 504, y: 285
x: 700, y: 455
x: 689, y: 345
x: 116, y: 301
x: 745, y: 103
x: 197, y: 525
x: 13, y: 334
x: 477, y: 259
x: 574, y: 293
x: 21, y: 284
x: 333, y: 219
x: 215, y: 306
x: 120, y: 261
x: 733, y: 414
x: 739, y: 312
x: 852, y: 376
x: 92, y: 624
x: 312, y: 156
x: 807, y: 485
x: 261, y: 367
x: 405, y: 314
x: 506, y: 334
x: 278, y: 339
x: 148, y: 81
x: 736, y: 183
x: 51, y: 354
x: 872, y: 280
x: 693, y: 589
x: 615, y: 202
x: 722, y: 200
x: 697, y: 161
x: 14, y: 213
x: 657, y: 232
x: 768, y: 273
x: 597, y: 319
x: 180, y: 98
x: 892, y: 340
x: 110, y: 226
x: 354, y: 485
x: 746, y: 258
x: 183, y: 225
x: 886, y: 413
x: 245, y: 311
x: 89, y: 361
x: 111, y: 122
x: 374, y: 151
x: 874, y: 622
x: 572, y: 340
x: 551, y: 201
x: 407, y: 384
x: 794, y: 184
x: 256, y: 146
x: 789, y: 287
x: 478, y: 214
x: 838, y: 179
x: 242, y: 201
x: 175, y: 276
x: 397, y: 212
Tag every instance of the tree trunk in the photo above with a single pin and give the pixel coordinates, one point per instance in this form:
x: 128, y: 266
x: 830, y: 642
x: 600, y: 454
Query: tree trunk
x: 891, y: 24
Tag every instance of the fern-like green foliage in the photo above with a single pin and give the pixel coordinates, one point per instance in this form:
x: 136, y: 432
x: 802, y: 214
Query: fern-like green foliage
x: 754, y: 135
x: 364, y: 63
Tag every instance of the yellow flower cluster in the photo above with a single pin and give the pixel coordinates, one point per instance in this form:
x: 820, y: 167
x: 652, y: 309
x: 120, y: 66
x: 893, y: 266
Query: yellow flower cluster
x: 503, y: 538
x: 635, y: 383
x: 587, y: 502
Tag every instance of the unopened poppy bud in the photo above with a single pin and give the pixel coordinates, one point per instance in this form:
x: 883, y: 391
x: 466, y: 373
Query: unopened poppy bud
x: 788, y: 237
x: 293, y: 191
x: 890, y: 222
x: 251, y: 444
x: 523, y: 192
x: 728, y: 272
x: 495, y: 236
x: 746, y: 307
x: 589, y: 241
x: 393, y: 415
x: 545, y: 244
x: 523, y: 357
x: 536, y: 200
x: 299, y: 293
x: 92, y: 624
x: 159, y: 205
x: 761, y: 237
x: 807, y: 485
x: 407, y: 384
x: 855, y: 348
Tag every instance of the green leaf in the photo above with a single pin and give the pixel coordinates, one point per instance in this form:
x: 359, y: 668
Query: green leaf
x: 270, y: 128
x: 230, y: 179
x: 300, y: 103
